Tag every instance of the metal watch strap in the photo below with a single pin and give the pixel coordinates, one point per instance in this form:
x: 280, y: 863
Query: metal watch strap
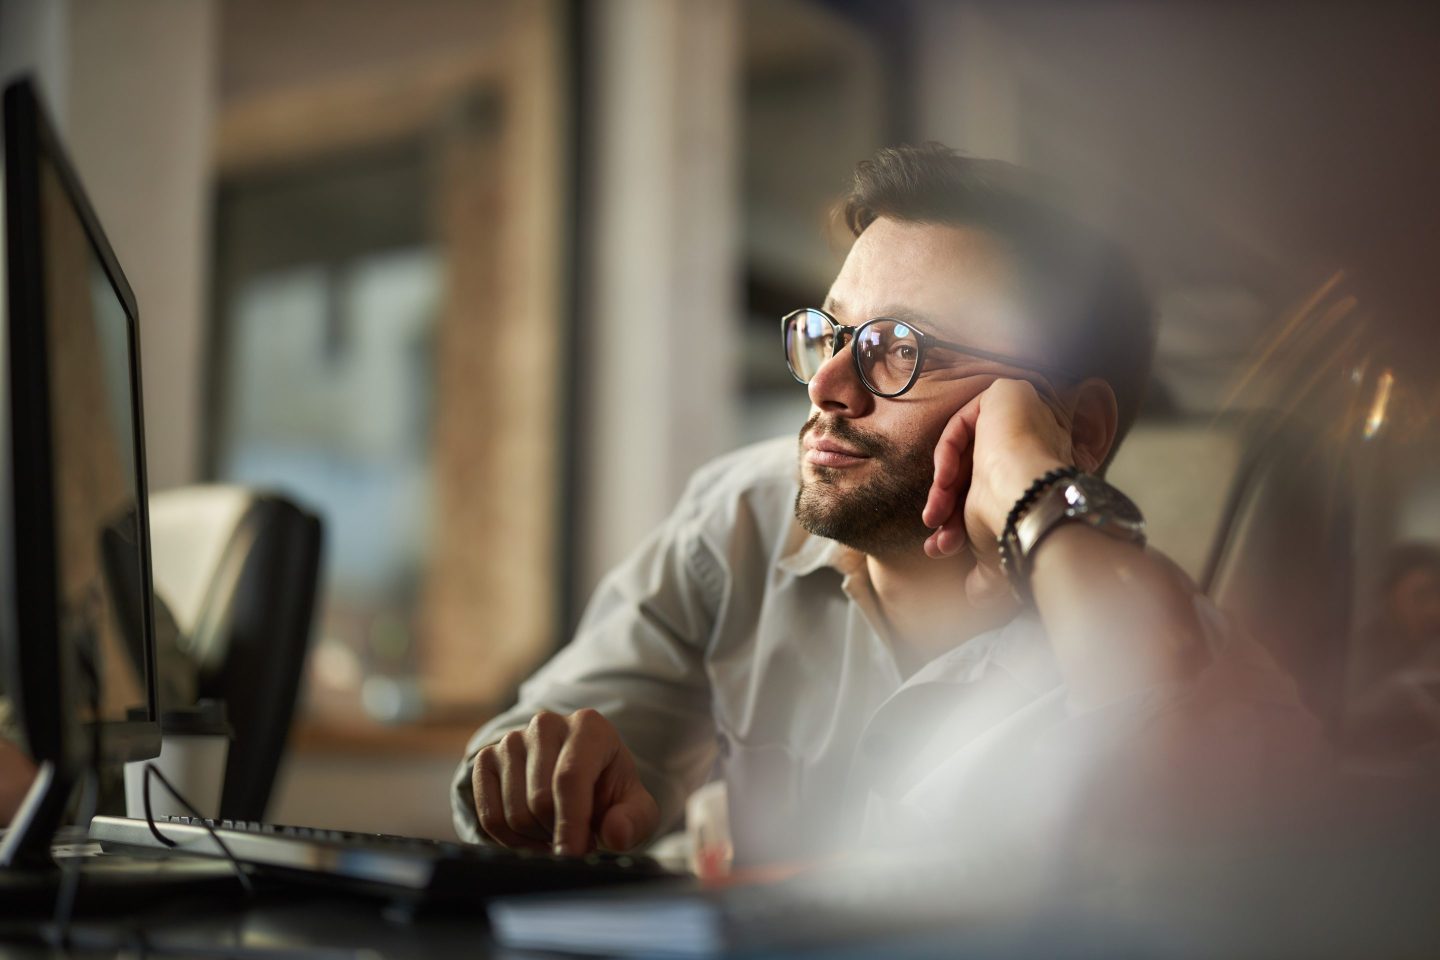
x: 1078, y: 497
x: 1044, y: 515
x: 1011, y: 554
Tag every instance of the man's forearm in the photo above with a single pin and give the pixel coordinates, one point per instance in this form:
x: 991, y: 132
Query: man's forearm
x: 1121, y: 619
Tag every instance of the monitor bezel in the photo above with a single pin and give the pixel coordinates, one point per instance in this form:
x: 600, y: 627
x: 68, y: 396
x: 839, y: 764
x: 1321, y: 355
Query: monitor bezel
x: 54, y: 733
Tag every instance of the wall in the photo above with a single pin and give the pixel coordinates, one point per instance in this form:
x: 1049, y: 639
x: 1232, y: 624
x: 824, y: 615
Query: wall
x: 661, y: 377
x: 141, y: 114
x: 1243, y: 151
x: 34, y: 38
x: 132, y: 89
x: 406, y: 794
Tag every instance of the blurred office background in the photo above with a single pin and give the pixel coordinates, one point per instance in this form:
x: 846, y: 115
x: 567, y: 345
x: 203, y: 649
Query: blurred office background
x: 482, y: 281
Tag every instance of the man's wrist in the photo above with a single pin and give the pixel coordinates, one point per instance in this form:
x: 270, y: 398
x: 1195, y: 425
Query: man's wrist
x: 1053, y: 501
x: 1018, y: 479
x: 1010, y: 541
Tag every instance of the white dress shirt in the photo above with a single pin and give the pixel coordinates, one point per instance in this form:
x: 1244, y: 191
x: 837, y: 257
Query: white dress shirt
x: 734, y: 643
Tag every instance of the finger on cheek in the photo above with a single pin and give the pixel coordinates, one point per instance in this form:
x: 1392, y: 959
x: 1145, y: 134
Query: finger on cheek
x: 953, y: 440
x: 949, y: 539
x: 946, y: 461
x: 939, y: 507
x: 934, y: 515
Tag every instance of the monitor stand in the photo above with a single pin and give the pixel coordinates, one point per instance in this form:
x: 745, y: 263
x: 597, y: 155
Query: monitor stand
x: 27, y: 843
x: 31, y: 877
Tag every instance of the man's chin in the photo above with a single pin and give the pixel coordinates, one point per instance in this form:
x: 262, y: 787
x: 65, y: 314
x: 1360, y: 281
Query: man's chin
x: 823, y: 510
x: 871, y: 505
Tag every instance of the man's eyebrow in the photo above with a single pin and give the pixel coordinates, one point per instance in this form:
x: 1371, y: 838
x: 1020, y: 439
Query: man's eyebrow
x: 903, y: 314
x: 925, y: 324
x: 912, y: 317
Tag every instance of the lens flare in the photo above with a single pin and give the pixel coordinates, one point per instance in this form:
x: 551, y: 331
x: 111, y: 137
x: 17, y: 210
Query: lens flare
x: 1380, y: 405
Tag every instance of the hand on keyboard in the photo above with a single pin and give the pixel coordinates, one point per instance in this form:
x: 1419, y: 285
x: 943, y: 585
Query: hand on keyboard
x: 550, y: 784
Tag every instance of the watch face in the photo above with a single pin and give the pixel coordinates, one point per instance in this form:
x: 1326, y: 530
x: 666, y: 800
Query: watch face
x: 1103, y: 505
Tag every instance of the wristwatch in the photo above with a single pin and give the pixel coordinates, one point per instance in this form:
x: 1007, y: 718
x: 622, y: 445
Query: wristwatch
x: 1082, y: 498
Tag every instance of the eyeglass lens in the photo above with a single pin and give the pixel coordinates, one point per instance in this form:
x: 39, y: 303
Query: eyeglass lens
x: 887, y: 350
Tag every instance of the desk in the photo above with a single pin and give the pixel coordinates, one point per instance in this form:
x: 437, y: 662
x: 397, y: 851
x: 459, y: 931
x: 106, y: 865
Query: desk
x: 284, y: 926
x: 1312, y: 902
x: 295, y: 922
x: 275, y: 924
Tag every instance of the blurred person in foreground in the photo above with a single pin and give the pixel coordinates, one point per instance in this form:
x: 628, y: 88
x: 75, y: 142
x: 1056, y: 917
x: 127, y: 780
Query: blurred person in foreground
x: 1397, y: 715
x: 838, y: 638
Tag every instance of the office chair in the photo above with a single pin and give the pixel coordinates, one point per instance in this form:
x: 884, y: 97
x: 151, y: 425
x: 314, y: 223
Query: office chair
x: 1284, y: 561
x: 1259, y: 513
x: 239, y: 570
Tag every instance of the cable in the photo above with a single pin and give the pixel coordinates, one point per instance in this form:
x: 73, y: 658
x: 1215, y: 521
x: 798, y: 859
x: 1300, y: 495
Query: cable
x: 151, y: 769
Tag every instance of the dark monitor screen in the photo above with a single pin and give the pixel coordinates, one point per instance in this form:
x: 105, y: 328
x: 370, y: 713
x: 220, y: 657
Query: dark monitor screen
x: 77, y: 610
x: 92, y: 438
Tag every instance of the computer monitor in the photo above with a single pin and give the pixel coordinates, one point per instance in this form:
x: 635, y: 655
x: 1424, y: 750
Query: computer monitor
x: 76, y: 613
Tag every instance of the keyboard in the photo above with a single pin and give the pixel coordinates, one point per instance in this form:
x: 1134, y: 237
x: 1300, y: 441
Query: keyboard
x: 404, y: 869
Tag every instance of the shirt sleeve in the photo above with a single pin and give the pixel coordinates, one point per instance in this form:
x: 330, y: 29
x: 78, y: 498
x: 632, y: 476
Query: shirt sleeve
x: 1233, y: 748
x: 637, y: 658
x: 1227, y: 747
x: 1241, y: 687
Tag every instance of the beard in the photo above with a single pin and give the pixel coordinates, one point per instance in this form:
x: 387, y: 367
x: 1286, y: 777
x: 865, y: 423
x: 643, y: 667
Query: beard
x: 881, y: 516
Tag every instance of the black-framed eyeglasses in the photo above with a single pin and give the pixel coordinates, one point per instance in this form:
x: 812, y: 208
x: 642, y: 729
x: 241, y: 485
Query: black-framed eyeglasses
x: 889, y: 354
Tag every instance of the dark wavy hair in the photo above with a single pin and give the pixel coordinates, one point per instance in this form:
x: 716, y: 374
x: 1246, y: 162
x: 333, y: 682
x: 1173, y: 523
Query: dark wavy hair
x: 1076, y: 283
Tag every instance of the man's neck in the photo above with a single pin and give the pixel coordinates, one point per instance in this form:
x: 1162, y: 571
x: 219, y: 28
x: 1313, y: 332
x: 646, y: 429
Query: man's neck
x: 925, y: 606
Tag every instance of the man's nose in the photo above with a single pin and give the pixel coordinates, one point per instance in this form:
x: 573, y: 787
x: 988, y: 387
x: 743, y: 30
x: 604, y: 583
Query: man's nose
x: 836, y: 387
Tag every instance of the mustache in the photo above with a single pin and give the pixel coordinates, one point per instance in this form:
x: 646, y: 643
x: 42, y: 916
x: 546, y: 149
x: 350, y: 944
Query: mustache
x: 842, y: 430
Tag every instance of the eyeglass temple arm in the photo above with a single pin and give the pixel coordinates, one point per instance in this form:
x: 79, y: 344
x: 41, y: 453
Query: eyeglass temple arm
x: 837, y: 343
x: 992, y: 356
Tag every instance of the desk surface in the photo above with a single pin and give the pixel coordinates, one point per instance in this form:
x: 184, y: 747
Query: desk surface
x: 1311, y: 904
x: 294, y: 922
x: 285, y: 926
x: 273, y: 925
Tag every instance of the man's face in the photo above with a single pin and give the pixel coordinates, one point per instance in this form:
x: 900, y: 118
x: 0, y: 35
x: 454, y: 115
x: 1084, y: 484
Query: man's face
x: 866, y: 462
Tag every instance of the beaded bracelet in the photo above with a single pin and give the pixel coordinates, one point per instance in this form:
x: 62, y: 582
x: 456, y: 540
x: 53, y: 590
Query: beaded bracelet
x: 1009, y: 539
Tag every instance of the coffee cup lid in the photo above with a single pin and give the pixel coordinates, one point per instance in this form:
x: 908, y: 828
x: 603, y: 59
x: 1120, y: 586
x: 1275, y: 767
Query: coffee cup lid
x: 205, y: 719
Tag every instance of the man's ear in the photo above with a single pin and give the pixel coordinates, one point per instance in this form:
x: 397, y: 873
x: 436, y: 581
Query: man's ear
x: 1094, y: 423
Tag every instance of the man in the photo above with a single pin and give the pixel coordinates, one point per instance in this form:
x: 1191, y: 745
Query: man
x: 840, y: 638
x: 1397, y: 715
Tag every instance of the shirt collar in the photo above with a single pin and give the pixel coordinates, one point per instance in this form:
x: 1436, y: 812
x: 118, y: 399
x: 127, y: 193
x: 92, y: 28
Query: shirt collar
x: 1018, y: 647
x: 811, y: 553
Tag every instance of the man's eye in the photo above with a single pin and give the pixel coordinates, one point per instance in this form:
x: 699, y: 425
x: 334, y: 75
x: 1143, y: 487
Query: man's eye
x: 904, y: 351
